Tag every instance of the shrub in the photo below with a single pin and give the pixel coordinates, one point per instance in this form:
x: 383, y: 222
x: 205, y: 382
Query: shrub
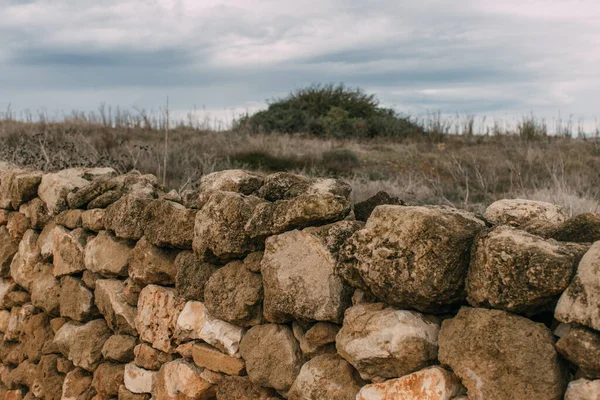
x: 339, y: 161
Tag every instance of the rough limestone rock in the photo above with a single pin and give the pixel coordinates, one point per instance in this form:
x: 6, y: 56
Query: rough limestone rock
x: 77, y: 385
x: 107, y: 379
x: 17, y: 320
x: 498, y: 355
x: 92, y: 220
x: 310, y: 350
x: 150, y: 264
x: 55, y: 187
x: 433, y: 383
x: 206, y: 356
x: 36, y: 212
x: 47, y: 381
x: 241, y: 387
x: 24, y: 267
x: 46, y: 241
x: 125, y: 217
x: 70, y: 219
x: 322, y: 333
x: 45, y: 291
x: 35, y: 332
x: 169, y: 224
x: 79, y: 198
x: 108, y: 255
x: 517, y: 212
x: 68, y: 247
x: 328, y: 376
x: 299, y: 278
x: 581, y: 346
x: 233, y: 180
x: 8, y: 248
x: 181, y: 380
x: 411, y: 257
x: 234, y: 294
x: 89, y: 279
x: 132, y: 291
x: 382, y: 343
x: 18, y: 186
x: 283, y: 186
x: 119, y: 315
x: 138, y: 380
x: 76, y: 301
x: 273, y: 356
x: 363, y: 210
x: 17, y: 225
x: 192, y: 275
x: 119, y: 348
x: 82, y: 344
x: 158, y: 308
x: 518, y: 272
x: 582, y: 228
x: 195, y: 322
x: 583, y: 389
x: 219, y: 226
x: 149, y: 358
x: 580, y: 303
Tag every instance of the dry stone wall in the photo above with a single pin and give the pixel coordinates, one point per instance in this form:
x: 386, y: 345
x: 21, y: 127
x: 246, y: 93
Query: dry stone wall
x: 270, y: 287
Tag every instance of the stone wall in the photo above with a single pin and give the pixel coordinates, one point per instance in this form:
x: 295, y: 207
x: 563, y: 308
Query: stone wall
x: 267, y: 287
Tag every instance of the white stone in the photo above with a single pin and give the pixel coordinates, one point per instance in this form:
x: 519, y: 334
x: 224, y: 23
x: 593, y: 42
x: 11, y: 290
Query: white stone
x: 583, y: 389
x: 55, y: 187
x: 138, y: 380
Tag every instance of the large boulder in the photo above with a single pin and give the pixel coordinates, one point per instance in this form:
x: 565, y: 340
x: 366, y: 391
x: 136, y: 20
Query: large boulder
x: 517, y: 212
x: 328, y: 376
x: 119, y: 315
x: 150, y: 264
x: 411, y: 257
x: 125, y: 217
x: 68, y: 247
x: 519, y: 272
x: 581, y: 346
x: 192, y: 275
x: 580, y: 303
x: 169, y: 224
x: 273, y: 356
x: 583, y: 389
x: 82, y: 344
x: 299, y: 277
x: 382, y: 342
x: 181, y: 380
x: 498, y: 355
x: 108, y: 255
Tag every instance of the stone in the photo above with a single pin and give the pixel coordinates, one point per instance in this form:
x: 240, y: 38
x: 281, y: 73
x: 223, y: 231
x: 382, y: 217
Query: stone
x: 19, y: 316
x: 181, y: 380
x: 105, y: 199
x: 192, y: 275
x: 107, y: 379
x: 46, y: 241
x: 206, y: 356
x: 327, y: 376
x: 18, y: 186
x: 234, y: 294
x: 241, y: 387
x: 195, y: 322
x: 583, y: 389
x: 581, y: 228
x: 89, y: 279
x: 219, y: 227
x: 310, y: 350
x: 22, y: 375
x: 70, y: 219
x: 253, y: 261
x: 81, y: 197
x: 298, y: 271
x: 149, y: 358
x: 45, y: 291
x: 322, y: 333
x: 283, y: 186
x: 77, y: 385
x: 363, y: 210
x: 272, y: 354
x: 132, y: 291
x: 36, y: 212
x: 233, y: 180
x: 8, y: 248
x: 125, y: 217
x: 516, y: 271
x: 580, y: 303
x: 68, y: 248
x: 4, y: 317
x: 185, y: 350
x: 498, y: 355
x: 55, y: 187
x: 382, y: 342
x: 150, y: 264
x: 24, y: 267
x: 158, y: 310
x: 433, y: 383
x: 517, y: 212
x: 35, y: 332
x: 93, y: 220
x: 108, y: 255
x: 119, y: 315
x: 57, y: 323
x: 411, y: 257
x: 47, y: 381
x: 63, y: 365
x: 138, y: 380
x: 125, y: 394
x: 169, y: 224
x: 82, y: 343
x: 581, y: 346
x: 76, y: 301
x: 17, y: 225
x: 7, y: 286
x: 119, y: 348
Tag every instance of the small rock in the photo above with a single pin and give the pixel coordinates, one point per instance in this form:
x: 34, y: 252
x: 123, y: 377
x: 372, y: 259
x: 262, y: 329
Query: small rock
x: 81, y: 197
x: 192, y: 275
x: 125, y: 217
x: 108, y: 255
x: 25, y: 268
x: 149, y: 358
x: 125, y: 394
x: 47, y: 381
x: 36, y: 212
x: 309, y: 350
x: 119, y: 348
x: 241, y: 387
x: 17, y: 320
x: 322, y: 333
x: 89, y: 279
x: 107, y: 379
x: 583, y: 389
x: 4, y: 317
x: 70, y: 219
x: 152, y: 265
x: 363, y: 210
x: 77, y: 385
x: 180, y: 379
x: 233, y: 180
x: 132, y: 291
x: 169, y: 224
x: 517, y: 212
x: 138, y: 380
x: 581, y: 346
x: 45, y: 291
x: 46, y: 241
x: 68, y: 247
x: 185, y: 350
x: 76, y: 301
x: 206, y: 356
x: 35, y: 332
x: 17, y: 225
x: 92, y: 220
x: 82, y: 344
x: 8, y: 248
x: 119, y: 315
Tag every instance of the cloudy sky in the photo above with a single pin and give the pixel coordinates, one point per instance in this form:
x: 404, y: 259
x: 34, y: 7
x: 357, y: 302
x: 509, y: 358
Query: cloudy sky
x: 502, y: 59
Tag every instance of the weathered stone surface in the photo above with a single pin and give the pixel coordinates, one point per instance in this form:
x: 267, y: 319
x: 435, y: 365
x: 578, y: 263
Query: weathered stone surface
x: 283, y: 186
x: 181, y: 380
x: 326, y: 377
x: 93, y: 220
x: 433, y: 383
x: 89, y: 279
x: 82, y: 344
x: 119, y: 348
x: 24, y: 267
x: 125, y: 217
x: 382, y: 343
x: 132, y: 291
x: 195, y: 322
x: 219, y: 227
x: 107, y: 379
x: 583, y: 389
x: 206, y: 356
x: 76, y: 301
x: 299, y: 277
x: 125, y: 394
x: 8, y: 248
x: 158, y: 309
x: 241, y: 387
x: 18, y: 186
x: 108, y: 255
x: 310, y: 350
x: 46, y: 241
x: 150, y: 264
x: 273, y: 356
x: 47, y: 381
x: 322, y: 333
x: 518, y: 272
x: 234, y: 294
x: 22, y: 375
x: 119, y: 315
x: 36, y: 212
x: 68, y: 247
x: 516, y: 212
x: 83, y: 196
x: 138, y: 380
x: 192, y: 275
x: 233, y: 180
x: 498, y: 355
x: 70, y: 219
x: 35, y: 331
x: 580, y: 303
x: 45, y: 291
x: 17, y: 225
x: 78, y: 385
x: 581, y: 346
x: 149, y: 358
x: 4, y: 317
x: 17, y: 320
x: 7, y: 286
x: 169, y: 224
x: 581, y: 228
x: 363, y: 210
x: 55, y: 187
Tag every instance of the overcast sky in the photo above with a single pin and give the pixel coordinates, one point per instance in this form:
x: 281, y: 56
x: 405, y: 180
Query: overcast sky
x: 503, y: 58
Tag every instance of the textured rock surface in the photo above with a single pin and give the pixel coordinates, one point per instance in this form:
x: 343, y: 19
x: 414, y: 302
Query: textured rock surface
x: 77, y: 385
x: 8, y: 248
x: 76, y: 301
x: 241, y: 387
x: 125, y: 217
x: 18, y: 186
x: 283, y: 186
x: 583, y: 389
x: 181, y: 380
x: 138, y: 380
x: 498, y: 355
x: 67, y: 248
x: 24, y: 267
x: 82, y: 344
x: 169, y: 224
x: 382, y: 343
x: 582, y: 347
x: 119, y: 315
x: 55, y: 187
x: 233, y: 180
x: 108, y: 255
x: 150, y: 264
x: 45, y: 291
x: 70, y: 219
x: 92, y: 220
x: 192, y: 275
x: 107, y: 379
x: 518, y: 272
x: 516, y: 212
x: 149, y: 358
x: 206, y: 356
x: 119, y: 348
